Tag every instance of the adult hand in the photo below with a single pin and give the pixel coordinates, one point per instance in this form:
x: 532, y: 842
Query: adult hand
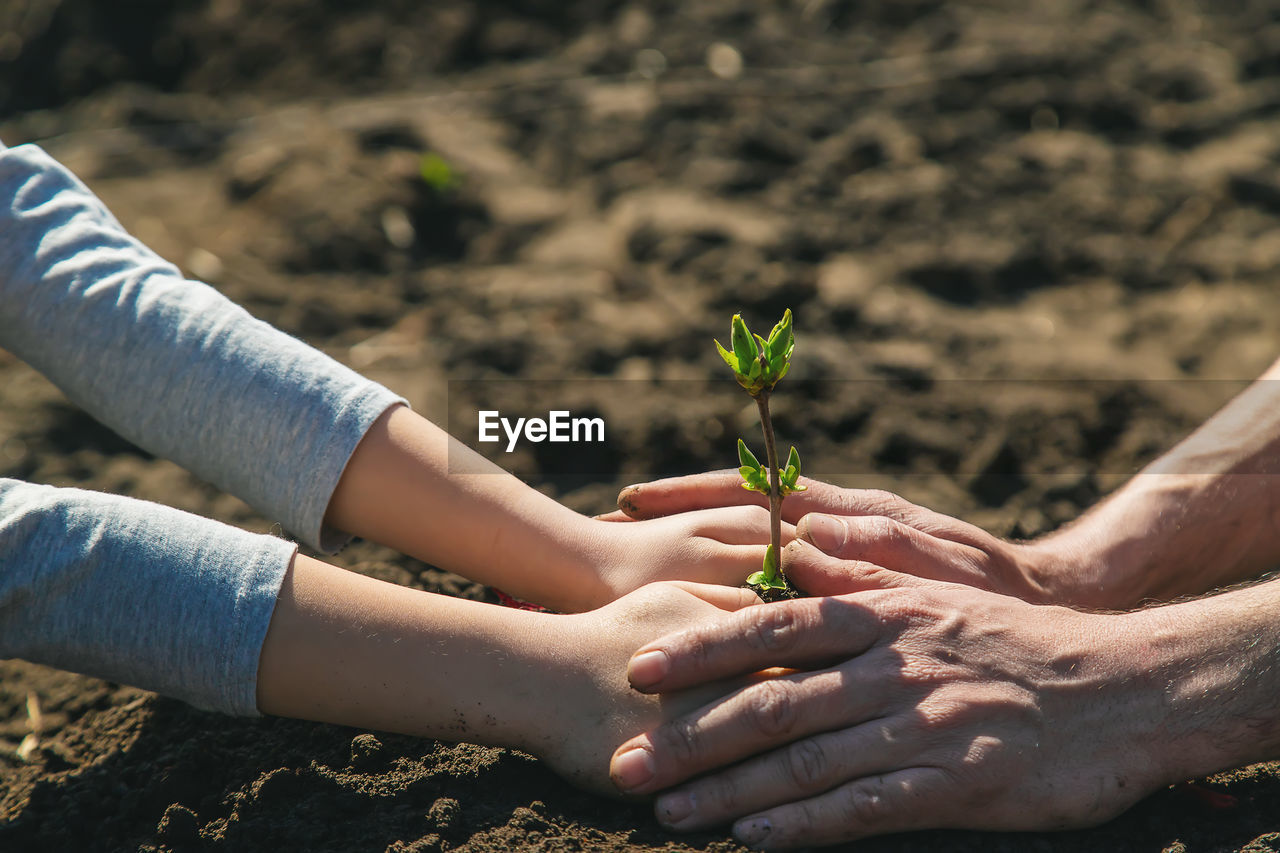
x: 919, y: 704
x: 875, y: 529
x: 1202, y: 516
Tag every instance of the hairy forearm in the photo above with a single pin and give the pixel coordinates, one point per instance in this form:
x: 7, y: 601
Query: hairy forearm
x: 398, y: 489
x: 347, y: 649
x: 1203, y: 516
x: 1212, y: 674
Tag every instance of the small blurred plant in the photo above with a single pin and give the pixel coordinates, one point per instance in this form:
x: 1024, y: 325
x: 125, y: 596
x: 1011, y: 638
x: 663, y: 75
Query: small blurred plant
x: 437, y: 173
x: 758, y: 364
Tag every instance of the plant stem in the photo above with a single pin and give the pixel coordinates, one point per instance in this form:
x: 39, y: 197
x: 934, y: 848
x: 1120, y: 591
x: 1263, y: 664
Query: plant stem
x: 775, y: 491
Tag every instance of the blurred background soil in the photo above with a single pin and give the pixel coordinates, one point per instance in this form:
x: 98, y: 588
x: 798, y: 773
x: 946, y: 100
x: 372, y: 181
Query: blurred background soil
x: 1029, y: 245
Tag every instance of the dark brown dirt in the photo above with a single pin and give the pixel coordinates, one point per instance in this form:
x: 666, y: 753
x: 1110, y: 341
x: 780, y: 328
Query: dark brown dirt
x: 1028, y: 245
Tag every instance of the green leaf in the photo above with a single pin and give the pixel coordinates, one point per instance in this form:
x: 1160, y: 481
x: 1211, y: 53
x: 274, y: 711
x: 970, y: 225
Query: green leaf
x: 780, y: 339
x: 790, y: 476
x: 745, y: 456
x: 783, y: 325
x: 763, y: 345
x: 757, y: 479
x: 769, y: 577
x: 729, y: 358
x: 743, y: 345
x: 766, y: 583
x: 770, y: 562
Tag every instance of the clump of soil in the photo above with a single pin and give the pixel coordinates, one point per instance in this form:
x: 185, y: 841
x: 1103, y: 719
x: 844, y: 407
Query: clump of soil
x: 1028, y: 247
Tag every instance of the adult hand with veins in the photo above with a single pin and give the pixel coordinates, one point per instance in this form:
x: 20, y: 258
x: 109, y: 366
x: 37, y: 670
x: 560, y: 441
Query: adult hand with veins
x: 921, y: 704
x: 941, y: 678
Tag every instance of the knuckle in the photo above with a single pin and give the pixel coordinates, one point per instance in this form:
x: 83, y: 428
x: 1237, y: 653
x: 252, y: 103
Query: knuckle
x: 883, y: 531
x: 919, y: 670
x: 899, y: 610
x: 722, y: 794
x: 865, y: 803
x: 983, y: 751
x: 807, y: 764
x: 773, y: 628
x: 681, y: 740
x: 772, y: 708
x: 694, y: 650
x: 881, y: 499
x: 875, y: 575
x: 918, y: 610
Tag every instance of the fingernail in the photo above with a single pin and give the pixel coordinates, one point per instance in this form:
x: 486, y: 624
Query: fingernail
x: 627, y: 502
x: 826, y: 532
x: 632, y: 768
x: 648, y: 668
x: 754, y: 831
x: 673, y: 809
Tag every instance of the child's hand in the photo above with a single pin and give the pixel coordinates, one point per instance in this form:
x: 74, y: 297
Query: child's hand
x: 720, y: 546
x: 589, y: 708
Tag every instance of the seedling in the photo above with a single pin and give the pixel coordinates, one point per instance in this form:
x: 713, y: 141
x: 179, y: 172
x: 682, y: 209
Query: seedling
x: 437, y: 173
x: 758, y: 364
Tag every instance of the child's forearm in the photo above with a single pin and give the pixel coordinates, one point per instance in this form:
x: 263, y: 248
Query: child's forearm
x: 172, y: 365
x: 348, y: 649
x: 491, y: 527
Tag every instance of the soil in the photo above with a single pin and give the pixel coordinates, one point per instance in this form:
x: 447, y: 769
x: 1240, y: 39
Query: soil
x: 1028, y: 245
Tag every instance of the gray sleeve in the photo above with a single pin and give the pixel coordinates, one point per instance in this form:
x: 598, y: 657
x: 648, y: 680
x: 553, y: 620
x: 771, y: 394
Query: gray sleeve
x: 123, y: 589
x: 137, y: 593
x: 171, y: 364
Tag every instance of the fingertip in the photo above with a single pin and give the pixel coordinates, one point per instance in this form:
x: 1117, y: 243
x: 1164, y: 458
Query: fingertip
x: 613, y: 517
x: 627, y: 502
x: 632, y: 767
x: 827, y: 533
x: 753, y: 831
x: 675, y: 808
x: 725, y: 597
x: 647, y: 669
